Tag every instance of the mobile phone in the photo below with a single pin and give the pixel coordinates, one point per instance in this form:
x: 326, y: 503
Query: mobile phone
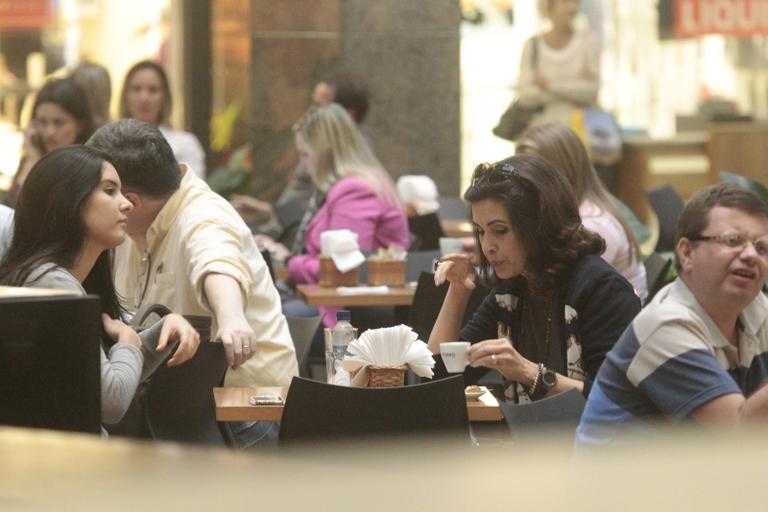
x: 266, y: 400
x: 37, y: 141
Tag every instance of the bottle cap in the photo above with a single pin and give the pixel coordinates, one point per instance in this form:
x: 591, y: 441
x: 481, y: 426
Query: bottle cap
x: 343, y: 314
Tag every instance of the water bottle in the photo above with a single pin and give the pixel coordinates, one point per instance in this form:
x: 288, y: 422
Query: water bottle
x: 342, y: 335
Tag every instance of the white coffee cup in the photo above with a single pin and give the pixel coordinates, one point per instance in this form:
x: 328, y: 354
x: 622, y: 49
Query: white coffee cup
x: 450, y: 246
x: 455, y: 355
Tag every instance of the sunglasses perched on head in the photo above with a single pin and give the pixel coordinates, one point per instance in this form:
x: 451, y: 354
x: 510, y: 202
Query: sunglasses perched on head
x: 493, y: 174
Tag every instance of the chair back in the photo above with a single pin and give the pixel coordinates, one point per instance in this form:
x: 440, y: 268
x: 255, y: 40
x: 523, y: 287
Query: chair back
x: 268, y: 260
x: 452, y: 207
x: 427, y: 231
x: 418, y: 262
x: 302, y: 331
x: 754, y: 186
x: 558, y: 412
x: 656, y: 269
x: 316, y: 411
x: 668, y: 206
x: 179, y: 406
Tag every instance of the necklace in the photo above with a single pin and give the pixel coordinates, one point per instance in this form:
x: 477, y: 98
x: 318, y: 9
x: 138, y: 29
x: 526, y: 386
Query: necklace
x: 524, y: 327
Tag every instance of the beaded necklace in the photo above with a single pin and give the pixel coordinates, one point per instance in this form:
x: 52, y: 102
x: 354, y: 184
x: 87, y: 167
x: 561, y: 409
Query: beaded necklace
x: 526, y: 330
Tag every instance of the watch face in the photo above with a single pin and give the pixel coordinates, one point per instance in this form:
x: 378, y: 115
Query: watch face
x: 549, y: 379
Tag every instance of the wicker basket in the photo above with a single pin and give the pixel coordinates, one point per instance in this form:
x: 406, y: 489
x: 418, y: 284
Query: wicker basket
x: 330, y: 275
x: 386, y: 376
x: 386, y: 272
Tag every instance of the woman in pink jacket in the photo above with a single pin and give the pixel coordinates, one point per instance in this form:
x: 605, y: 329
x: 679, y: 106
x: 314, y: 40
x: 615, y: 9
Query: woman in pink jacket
x: 353, y: 192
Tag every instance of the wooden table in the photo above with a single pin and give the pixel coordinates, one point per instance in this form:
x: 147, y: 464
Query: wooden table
x: 232, y: 405
x: 456, y: 228
x: 316, y: 295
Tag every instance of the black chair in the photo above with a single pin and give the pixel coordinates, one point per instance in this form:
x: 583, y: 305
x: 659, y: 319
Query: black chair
x: 302, y: 331
x: 427, y: 232
x: 559, y: 412
x: 668, y: 206
x: 268, y: 260
x: 452, y: 207
x: 317, y: 412
x: 754, y: 186
x: 429, y: 299
x: 178, y: 403
x: 418, y: 262
x: 656, y: 269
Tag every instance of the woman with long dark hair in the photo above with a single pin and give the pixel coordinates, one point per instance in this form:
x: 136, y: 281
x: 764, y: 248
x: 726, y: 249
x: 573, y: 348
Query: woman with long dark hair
x: 70, y: 214
x: 556, y: 307
x: 60, y: 116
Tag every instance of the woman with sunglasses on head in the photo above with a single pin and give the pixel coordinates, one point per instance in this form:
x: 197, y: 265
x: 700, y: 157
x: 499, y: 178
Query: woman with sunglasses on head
x: 70, y: 214
x: 556, y: 308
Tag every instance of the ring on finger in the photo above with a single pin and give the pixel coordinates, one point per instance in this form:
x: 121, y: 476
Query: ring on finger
x: 493, y: 359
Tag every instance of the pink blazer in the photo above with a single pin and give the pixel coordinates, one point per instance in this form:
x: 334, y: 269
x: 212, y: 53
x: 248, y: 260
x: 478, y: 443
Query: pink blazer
x: 350, y: 204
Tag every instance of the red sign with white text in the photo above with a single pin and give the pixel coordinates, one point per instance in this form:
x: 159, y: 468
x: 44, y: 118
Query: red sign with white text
x: 25, y: 14
x: 740, y: 18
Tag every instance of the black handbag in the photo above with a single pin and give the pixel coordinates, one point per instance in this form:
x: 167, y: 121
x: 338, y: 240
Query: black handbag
x: 517, y: 117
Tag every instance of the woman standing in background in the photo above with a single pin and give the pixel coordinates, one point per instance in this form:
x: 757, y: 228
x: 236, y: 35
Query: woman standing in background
x: 559, y: 69
x: 146, y: 97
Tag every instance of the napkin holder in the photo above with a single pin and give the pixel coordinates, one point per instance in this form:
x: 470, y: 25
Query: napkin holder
x: 386, y: 376
x: 386, y: 272
x: 330, y: 275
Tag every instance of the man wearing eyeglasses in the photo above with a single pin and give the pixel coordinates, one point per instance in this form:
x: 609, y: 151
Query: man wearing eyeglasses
x: 699, y: 350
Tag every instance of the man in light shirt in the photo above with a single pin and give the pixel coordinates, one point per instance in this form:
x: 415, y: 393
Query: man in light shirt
x: 699, y: 350
x: 189, y: 250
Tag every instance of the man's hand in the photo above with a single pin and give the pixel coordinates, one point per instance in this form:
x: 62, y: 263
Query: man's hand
x: 176, y: 327
x: 225, y: 298
x: 238, y: 338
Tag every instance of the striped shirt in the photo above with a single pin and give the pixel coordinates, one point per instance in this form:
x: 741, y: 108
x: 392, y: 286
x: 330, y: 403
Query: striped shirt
x: 671, y: 360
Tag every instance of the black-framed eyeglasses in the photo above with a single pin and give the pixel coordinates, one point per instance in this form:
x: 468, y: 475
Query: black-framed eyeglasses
x: 736, y: 241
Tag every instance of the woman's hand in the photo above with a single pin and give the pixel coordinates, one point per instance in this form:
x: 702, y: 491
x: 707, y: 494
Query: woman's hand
x: 507, y: 360
x: 251, y: 209
x: 176, y: 327
x: 457, y: 269
x: 118, y: 331
x: 277, y: 250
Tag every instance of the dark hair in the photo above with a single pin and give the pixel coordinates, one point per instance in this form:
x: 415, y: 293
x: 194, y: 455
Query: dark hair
x: 165, y: 110
x: 141, y: 155
x: 49, y: 226
x: 351, y: 93
x: 65, y: 93
x: 695, y: 217
x: 542, y: 211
